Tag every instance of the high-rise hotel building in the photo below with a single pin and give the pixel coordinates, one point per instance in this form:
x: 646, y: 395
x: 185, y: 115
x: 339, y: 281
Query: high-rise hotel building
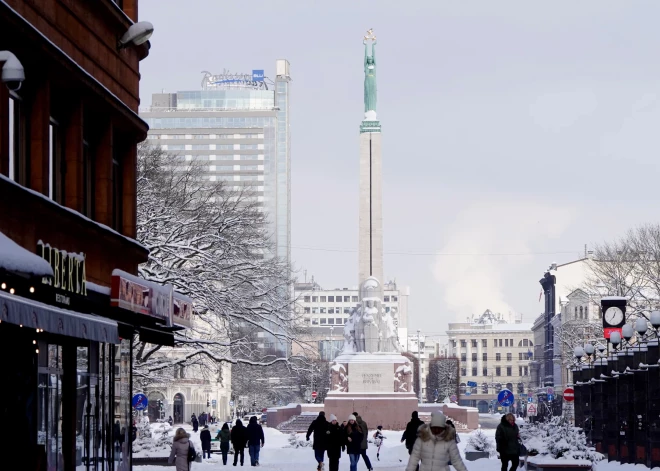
x: 239, y: 124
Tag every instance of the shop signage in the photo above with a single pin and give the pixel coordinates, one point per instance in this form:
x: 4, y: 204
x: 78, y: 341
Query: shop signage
x: 141, y: 296
x: 182, y: 313
x: 257, y: 75
x: 69, y: 273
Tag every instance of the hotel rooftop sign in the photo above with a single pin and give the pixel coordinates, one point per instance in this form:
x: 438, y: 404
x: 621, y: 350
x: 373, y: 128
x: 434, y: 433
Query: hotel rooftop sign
x: 256, y: 80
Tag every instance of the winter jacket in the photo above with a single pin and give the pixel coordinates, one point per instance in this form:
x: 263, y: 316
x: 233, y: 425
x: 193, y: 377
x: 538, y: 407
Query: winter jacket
x: 335, y: 441
x: 435, y: 451
x: 224, y: 436
x: 239, y: 436
x: 354, y: 446
x: 506, y: 438
x: 320, y: 428
x: 365, y: 432
x: 410, y: 434
x: 179, y: 454
x: 255, y: 433
x: 205, y: 438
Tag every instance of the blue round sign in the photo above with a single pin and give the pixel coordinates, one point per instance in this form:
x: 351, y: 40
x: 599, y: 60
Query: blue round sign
x: 505, y: 398
x: 140, y: 402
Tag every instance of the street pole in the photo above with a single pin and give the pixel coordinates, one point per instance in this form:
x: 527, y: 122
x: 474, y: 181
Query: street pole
x: 331, y: 341
x: 419, y: 366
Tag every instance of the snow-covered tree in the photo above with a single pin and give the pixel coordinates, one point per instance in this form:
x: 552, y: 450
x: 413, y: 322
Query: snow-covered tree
x: 558, y: 438
x: 210, y: 241
x: 442, y: 375
x: 479, y: 441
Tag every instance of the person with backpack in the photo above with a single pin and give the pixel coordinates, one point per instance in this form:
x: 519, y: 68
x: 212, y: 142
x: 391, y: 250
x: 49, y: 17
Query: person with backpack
x: 205, y: 438
x: 183, y: 452
x: 378, y: 440
x: 224, y: 435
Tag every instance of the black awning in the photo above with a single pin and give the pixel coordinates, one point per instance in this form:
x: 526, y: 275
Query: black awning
x: 21, y: 311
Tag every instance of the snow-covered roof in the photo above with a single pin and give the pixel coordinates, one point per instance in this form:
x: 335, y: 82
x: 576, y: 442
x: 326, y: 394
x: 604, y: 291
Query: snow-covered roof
x: 512, y: 327
x: 15, y: 258
x: 98, y: 288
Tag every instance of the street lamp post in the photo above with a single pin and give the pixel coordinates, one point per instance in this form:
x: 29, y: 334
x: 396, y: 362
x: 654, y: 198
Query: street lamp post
x: 419, y: 366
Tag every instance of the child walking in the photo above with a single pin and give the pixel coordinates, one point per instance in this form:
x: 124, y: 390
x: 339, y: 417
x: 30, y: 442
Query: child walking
x: 378, y: 440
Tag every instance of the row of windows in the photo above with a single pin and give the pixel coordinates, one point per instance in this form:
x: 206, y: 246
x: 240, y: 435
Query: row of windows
x: 337, y: 310
x: 498, y: 356
x: 522, y: 371
x: 496, y: 343
x: 345, y: 299
x: 170, y: 147
x: 206, y: 136
x: 497, y: 387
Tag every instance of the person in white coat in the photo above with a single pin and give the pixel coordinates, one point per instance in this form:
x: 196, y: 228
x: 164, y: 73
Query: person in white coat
x: 435, y: 447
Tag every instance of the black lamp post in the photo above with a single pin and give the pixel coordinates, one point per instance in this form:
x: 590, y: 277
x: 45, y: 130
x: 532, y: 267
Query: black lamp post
x: 653, y: 393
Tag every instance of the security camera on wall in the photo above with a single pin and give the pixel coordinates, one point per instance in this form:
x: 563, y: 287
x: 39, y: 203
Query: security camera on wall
x: 12, y: 71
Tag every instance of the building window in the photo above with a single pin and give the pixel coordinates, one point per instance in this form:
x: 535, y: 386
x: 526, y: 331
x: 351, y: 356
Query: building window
x: 463, y: 356
x: 494, y: 342
x: 484, y: 356
x: 386, y: 299
x: 474, y: 371
x: 484, y: 343
x: 463, y: 343
x: 520, y: 371
x: 324, y: 321
x: 474, y: 343
x: 498, y: 357
x: 354, y: 299
x: 500, y: 342
x: 315, y: 299
x: 508, y: 371
x: 484, y: 386
x: 331, y: 320
x: 485, y: 373
x: 18, y: 162
x: 508, y: 357
x: 306, y: 298
x: 315, y: 321
x: 463, y: 373
x: 498, y: 371
x: 338, y: 321
x: 116, y: 191
x: 331, y: 299
x: 56, y: 162
x: 307, y: 310
x: 323, y: 299
x: 323, y: 311
x: 88, y: 181
x: 395, y: 299
x: 347, y: 299
x: 506, y: 342
x: 474, y: 357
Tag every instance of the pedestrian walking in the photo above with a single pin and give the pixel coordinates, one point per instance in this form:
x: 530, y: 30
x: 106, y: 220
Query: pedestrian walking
x: 507, y: 438
x: 435, y: 447
x: 170, y: 421
x: 335, y: 443
x: 354, y: 437
x: 319, y: 427
x: 255, y: 436
x: 224, y: 436
x: 365, y: 440
x: 205, y: 438
x: 378, y: 440
x: 239, y: 440
x: 410, y: 433
x: 194, y: 422
x: 181, y: 446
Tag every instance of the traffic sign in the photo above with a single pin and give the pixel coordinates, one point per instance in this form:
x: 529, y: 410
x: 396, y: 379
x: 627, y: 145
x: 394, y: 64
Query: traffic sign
x: 530, y: 399
x: 505, y: 397
x: 231, y: 403
x: 140, y: 402
x: 314, y: 394
x: 472, y: 384
x: 530, y: 394
x: 551, y: 391
x: 467, y: 393
x: 214, y: 403
x: 531, y: 410
x: 551, y: 397
x: 569, y: 394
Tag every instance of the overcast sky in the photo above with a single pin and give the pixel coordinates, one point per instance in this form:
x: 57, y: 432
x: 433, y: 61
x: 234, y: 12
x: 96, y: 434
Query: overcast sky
x: 514, y: 133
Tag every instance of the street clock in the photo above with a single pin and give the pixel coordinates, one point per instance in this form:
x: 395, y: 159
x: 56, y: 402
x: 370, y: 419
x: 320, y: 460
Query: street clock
x: 614, y: 314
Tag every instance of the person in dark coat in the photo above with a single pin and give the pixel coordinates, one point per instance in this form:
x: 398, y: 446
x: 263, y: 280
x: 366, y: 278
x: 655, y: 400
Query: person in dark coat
x: 335, y: 442
x: 506, y: 440
x: 410, y: 433
x: 365, y: 440
x: 170, y: 421
x: 354, y: 438
x: 239, y: 440
x: 205, y: 438
x: 320, y: 428
x: 255, y: 436
x: 194, y: 422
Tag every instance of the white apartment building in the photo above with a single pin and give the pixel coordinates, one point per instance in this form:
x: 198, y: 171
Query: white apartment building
x: 328, y: 310
x: 428, y: 350
x: 494, y: 355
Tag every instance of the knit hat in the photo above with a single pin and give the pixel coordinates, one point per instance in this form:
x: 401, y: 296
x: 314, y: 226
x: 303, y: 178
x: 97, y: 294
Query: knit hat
x: 351, y: 417
x: 438, y: 419
x: 333, y: 417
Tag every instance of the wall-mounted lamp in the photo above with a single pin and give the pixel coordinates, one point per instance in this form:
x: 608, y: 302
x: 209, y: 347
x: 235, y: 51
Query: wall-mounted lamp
x: 12, y: 72
x: 138, y: 33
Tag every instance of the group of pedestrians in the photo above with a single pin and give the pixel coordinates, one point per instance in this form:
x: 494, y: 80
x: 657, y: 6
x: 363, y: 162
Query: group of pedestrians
x: 351, y: 436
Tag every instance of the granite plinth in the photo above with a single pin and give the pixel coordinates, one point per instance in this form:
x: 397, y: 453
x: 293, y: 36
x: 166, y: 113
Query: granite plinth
x: 391, y: 410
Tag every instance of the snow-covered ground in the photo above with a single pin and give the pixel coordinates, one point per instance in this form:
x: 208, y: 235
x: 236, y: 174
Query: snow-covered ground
x: 277, y: 456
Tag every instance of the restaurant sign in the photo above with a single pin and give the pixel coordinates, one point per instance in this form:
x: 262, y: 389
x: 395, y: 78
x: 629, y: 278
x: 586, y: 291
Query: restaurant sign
x: 69, y: 273
x: 182, y: 314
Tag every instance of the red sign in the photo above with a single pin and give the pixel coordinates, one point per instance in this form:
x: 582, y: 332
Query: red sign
x: 314, y: 394
x: 608, y: 331
x: 144, y: 297
x: 569, y: 394
x: 183, y: 307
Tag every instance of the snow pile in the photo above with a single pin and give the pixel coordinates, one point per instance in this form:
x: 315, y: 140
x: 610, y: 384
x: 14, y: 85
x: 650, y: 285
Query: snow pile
x: 15, y: 258
x: 298, y: 441
x: 558, y: 439
x: 479, y: 441
x: 153, y: 439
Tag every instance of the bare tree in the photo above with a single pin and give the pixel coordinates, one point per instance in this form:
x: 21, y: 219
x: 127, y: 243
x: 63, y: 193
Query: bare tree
x: 209, y: 240
x: 442, y: 376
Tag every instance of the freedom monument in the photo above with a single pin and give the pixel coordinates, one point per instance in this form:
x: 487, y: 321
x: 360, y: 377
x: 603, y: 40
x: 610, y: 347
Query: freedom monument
x: 370, y: 375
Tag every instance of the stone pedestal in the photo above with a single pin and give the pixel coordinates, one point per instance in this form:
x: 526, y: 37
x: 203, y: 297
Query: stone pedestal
x: 376, y: 385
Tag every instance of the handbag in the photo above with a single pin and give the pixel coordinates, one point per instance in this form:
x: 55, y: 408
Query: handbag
x: 192, y: 454
x: 523, y: 450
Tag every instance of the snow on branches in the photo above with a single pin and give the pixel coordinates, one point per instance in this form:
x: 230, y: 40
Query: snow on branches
x: 210, y: 241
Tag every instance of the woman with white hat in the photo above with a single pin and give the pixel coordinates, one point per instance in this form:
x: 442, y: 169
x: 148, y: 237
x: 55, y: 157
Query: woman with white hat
x: 354, y: 437
x: 335, y: 443
x: 435, y: 447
